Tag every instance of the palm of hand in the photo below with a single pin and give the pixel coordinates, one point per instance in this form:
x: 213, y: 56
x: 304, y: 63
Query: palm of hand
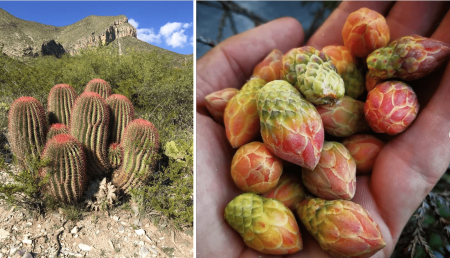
x: 406, y: 169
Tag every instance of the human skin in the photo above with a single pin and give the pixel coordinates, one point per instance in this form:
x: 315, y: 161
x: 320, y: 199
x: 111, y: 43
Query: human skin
x: 406, y: 169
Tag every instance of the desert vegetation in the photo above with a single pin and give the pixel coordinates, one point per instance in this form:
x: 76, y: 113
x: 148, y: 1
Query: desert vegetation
x: 160, y: 89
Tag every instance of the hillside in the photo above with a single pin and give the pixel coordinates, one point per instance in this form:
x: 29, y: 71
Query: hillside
x: 22, y: 38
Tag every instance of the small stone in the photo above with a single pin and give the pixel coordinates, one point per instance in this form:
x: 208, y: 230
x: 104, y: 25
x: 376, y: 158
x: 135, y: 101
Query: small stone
x: 140, y: 243
x: 161, y: 238
x: 76, y: 235
x: 148, y: 238
x: 153, y: 250
x: 12, y: 209
x: 115, y: 218
x: 84, y: 247
x: 27, y: 241
x: 121, y: 229
x: 13, y: 250
x: 111, y: 244
x: 143, y: 252
x: 39, y: 226
x: 4, y: 250
x: 4, y: 233
x: 27, y: 255
x: 74, y: 230
x: 140, y: 232
x: 97, y: 232
x: 28, y: 224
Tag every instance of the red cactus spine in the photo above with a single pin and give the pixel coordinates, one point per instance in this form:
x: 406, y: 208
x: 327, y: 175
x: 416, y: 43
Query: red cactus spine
x: 89, y: 124
x: 67, y: 169
x: 60, y: 101
x: 140, y: 144
x: 27, y: 129
x: 122, y: 113
x: 99, y: 86
x: 56, y: 129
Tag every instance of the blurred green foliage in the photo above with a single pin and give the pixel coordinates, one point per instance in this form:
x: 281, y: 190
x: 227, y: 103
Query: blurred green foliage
x: 160, y: 89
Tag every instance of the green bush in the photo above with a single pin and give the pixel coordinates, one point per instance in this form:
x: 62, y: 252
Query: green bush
x: 170, y: 190
x: 160, y: 88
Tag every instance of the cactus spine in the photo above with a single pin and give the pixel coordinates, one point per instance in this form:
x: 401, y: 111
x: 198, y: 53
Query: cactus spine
x: 140, y: 144
x: 122, y: 113
x: 27, y: 129
x: 99, y: 86
x: 115, y: 155
x: 89, y: 125
x: 60, y: 101
x: 67, y: 169
x: 56, y: 129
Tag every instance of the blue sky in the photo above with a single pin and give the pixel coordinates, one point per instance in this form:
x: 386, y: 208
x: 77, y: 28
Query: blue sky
x: 165, y: 24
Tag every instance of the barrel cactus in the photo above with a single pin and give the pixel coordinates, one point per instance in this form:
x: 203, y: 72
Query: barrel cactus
x: 99, y: 86
x: 122, y: 113
x: 140, y: 143
x: 27, y: 129
x: 56, y: 129
x: 60, y: 101
x: 67, y: 170
x: 89, y: 124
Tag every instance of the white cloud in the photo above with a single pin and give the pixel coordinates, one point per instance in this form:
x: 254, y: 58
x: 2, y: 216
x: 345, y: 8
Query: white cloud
x: 133, y: 22
x: 177, y: 39
x: 173, y: 34
x: 191, y: 40
x: 148, y: 35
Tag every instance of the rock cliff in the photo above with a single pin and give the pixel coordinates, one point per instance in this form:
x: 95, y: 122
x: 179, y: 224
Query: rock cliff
x: 22, y: 38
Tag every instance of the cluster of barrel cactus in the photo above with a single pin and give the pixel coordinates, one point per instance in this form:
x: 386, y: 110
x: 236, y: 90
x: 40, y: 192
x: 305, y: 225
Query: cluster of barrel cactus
x: 87, y: 137
x: 296, y: 101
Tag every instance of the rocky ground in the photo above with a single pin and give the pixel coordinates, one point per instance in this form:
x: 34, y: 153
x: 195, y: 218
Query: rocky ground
x: 119, y: 232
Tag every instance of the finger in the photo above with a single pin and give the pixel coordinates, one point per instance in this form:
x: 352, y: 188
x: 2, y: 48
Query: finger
x: 442, y: 33
x: 407, y: 18
x: 330, y: 33
x: 231, y: 63
x: 215, y: 238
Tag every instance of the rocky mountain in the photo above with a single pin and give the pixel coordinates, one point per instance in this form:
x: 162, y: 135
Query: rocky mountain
x: 21, y: 38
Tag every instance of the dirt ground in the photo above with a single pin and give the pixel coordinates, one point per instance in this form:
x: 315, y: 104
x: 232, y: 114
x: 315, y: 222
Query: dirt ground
x: 119, y: 232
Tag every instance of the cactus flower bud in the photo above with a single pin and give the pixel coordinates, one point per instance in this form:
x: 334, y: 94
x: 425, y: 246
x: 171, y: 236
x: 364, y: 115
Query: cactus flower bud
x: 312, y: 72
x: 342, y: 228
x: 335, y: 175
x: 344, y: 118
x: 291, y: 127
x: 241, y: 117
x: 364, y: 31
x: 255, y: 169
x: 391, y: 107
x: 217, y: 101
x: 364, y: 148
x: 408, y: 58
x: 289, y: 191
x: 270, y: 68
x: 265, y: 224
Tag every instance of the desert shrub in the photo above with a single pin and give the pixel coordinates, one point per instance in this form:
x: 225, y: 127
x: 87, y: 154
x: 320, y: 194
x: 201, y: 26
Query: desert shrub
x: 170, y: 190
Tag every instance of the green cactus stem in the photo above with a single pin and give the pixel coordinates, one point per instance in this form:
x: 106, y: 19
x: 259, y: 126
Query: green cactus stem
x: 99, y: 86
x: 27, y: 129
x: 89, y: 125
x: 140, y: 144
x: 67, y: 169
x: 56, y: 129
x: 115, y: 155
x: 60, y: 101
x: 122, y: 113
